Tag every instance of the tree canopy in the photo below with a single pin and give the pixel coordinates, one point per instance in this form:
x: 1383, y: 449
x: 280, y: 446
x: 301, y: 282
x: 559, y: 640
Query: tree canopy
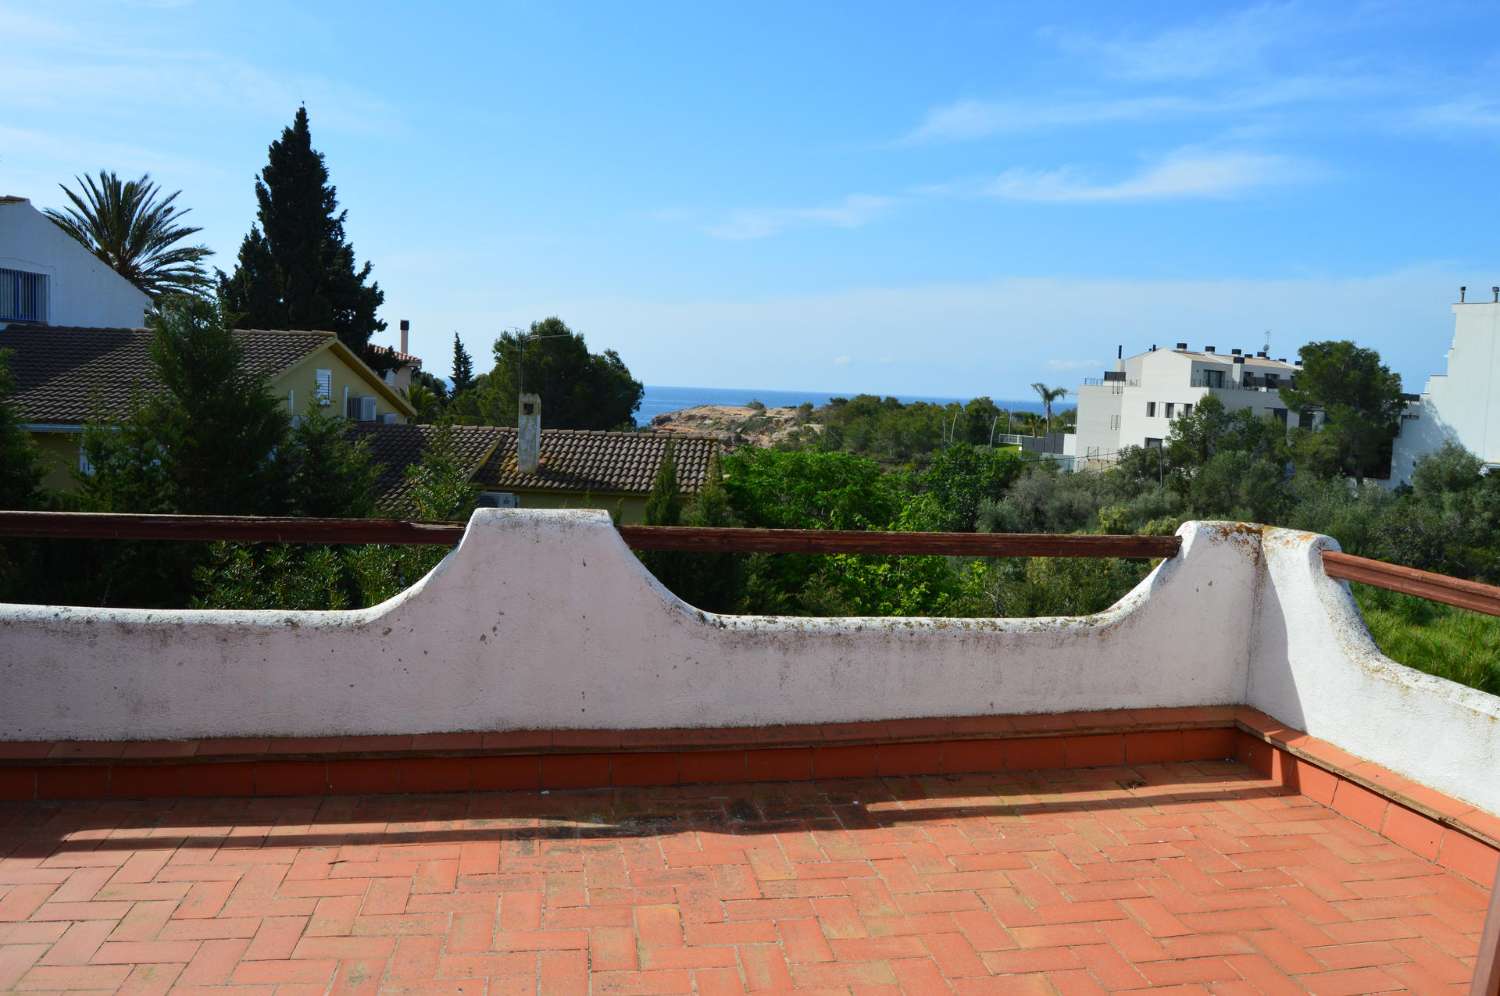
x: 296, y: 268
x: 1360, y: 398
x: 463, y: 366
x: 135, y: 232
x: 206, y: 443
x: 579, y: 389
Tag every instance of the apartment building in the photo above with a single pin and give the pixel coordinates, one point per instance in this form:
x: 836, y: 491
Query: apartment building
x: 1134, y: 404
x: 1462, y: 404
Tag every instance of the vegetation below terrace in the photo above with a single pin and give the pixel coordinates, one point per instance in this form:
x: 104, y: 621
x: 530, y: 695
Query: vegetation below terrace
x: 884, y: 429
x: 214, y: 441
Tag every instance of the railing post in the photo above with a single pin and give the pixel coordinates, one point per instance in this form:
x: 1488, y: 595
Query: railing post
x: 1487, y: 965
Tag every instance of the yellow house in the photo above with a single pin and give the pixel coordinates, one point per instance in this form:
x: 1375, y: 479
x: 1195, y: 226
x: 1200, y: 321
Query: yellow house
x: 68, y: 377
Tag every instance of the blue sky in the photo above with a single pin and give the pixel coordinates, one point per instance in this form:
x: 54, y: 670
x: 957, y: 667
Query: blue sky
x: 950, y: 201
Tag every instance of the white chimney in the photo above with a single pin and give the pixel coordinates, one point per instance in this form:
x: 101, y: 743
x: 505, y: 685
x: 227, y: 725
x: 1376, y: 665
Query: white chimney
x: 529, y: 434
x: 405, y: 331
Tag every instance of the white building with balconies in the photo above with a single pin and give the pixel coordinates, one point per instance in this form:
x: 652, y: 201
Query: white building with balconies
x: 1134, y: 404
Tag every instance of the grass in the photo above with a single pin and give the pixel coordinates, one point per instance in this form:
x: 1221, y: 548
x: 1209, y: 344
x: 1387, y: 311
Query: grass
x: 1451, y: 643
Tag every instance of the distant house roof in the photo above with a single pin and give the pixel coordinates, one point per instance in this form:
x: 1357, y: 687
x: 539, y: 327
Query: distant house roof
x: 572, y: 461
x: 396, y: 447
x: 71, y: 375
x: 578, y: 461
x: 400, y: 358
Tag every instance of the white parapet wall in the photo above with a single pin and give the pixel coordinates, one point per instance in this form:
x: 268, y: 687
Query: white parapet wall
x: 1314, y: 667
x: 545, y: 619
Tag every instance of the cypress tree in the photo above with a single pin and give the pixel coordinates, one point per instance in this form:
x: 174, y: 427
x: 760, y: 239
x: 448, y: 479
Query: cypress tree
x: 463, y: 366
x: 296, y: 268
x: 664, y: 504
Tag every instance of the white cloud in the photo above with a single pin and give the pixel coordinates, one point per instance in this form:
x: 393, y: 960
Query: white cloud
x: 970, y: 119
x: 1470, y: 113
x: 1210, y: 47
x: 854, y: 211
x: 1070, y: 365
x: 64, y: 69
x: 1182, y: 175
x: 842, y: 361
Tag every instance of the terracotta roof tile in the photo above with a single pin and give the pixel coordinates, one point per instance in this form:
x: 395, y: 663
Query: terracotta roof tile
x: 396, y: 447
x: 572, y: 461
x: 575, y: 460
x: 71, y: 375
x: 405, y: 359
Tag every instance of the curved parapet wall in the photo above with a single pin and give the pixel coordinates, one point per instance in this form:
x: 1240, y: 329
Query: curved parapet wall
x: 545, y: 619
x: 1314, y: 667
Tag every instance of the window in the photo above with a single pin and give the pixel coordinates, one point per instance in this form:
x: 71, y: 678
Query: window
x: 1114, y: 421
x: 85, y: 466
x: 1305, y: 419
x: 324, y: 388
x: 1213, y: 378
x: 1170, y: 406
x: 1187, y: 409
x: 1151, y: 409
x: 23, y: 296
x: 1279, y: 414
x: 1153, y: 443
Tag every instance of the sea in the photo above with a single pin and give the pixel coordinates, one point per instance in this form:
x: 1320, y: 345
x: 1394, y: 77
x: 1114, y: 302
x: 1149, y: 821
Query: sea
x: 659, y: 399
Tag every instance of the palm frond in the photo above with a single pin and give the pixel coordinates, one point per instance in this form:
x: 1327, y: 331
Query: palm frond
x: 135, y: 231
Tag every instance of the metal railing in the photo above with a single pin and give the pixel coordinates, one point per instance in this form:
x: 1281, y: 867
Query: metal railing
x: 263, y: 529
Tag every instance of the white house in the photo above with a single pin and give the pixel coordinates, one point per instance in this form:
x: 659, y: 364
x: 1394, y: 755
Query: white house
x: 1134, y: 404
x: 1461, y: 405
x: 47, y: 278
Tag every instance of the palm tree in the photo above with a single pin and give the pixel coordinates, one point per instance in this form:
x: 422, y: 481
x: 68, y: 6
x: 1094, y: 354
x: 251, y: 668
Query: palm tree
x: 1049, y: 395
x: 134, y: 231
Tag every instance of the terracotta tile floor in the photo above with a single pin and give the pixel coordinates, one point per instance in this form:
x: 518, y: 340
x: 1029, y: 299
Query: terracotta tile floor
x: 1186, y: 877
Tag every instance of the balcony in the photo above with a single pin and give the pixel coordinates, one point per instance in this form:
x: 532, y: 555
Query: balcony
x: 1205, y: 378
x: 537, y: 768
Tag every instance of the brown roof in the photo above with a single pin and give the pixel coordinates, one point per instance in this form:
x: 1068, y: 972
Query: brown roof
x: 72, y: 375
x: 396, y: 447
x: 578, y: 461
x: 404, y: 359
x: 573, y: 461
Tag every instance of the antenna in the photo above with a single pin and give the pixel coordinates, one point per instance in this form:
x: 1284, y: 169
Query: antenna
x: 1267, y: 347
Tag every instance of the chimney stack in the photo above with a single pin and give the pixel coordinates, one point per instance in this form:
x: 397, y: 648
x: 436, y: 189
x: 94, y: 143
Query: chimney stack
x: 1496, y: 291
x: 1120, y: 352
x: 529, y: 434
x: 1182, y: 346
x: 1461, y: 292
x: 1208, y: 349
x: 405, y: 330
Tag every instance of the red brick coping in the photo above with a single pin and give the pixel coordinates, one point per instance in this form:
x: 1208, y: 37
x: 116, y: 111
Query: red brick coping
x: 1453, y: 833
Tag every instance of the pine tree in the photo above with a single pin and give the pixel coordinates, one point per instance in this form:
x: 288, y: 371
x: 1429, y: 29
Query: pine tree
x: 20, y: 459
x: 296, y: 268
x: 664, y: 504
x: 204, y: 443
x: 463, y: 366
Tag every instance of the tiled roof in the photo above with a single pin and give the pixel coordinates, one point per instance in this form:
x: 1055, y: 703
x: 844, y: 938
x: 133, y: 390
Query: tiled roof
x: 396, y: 447
x: 578, y: 461
x: 572, y: 461
x: 405, y: 359
x: 72, y: 375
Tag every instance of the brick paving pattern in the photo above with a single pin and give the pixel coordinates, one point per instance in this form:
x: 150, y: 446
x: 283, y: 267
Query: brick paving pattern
x: 1184, y: 878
